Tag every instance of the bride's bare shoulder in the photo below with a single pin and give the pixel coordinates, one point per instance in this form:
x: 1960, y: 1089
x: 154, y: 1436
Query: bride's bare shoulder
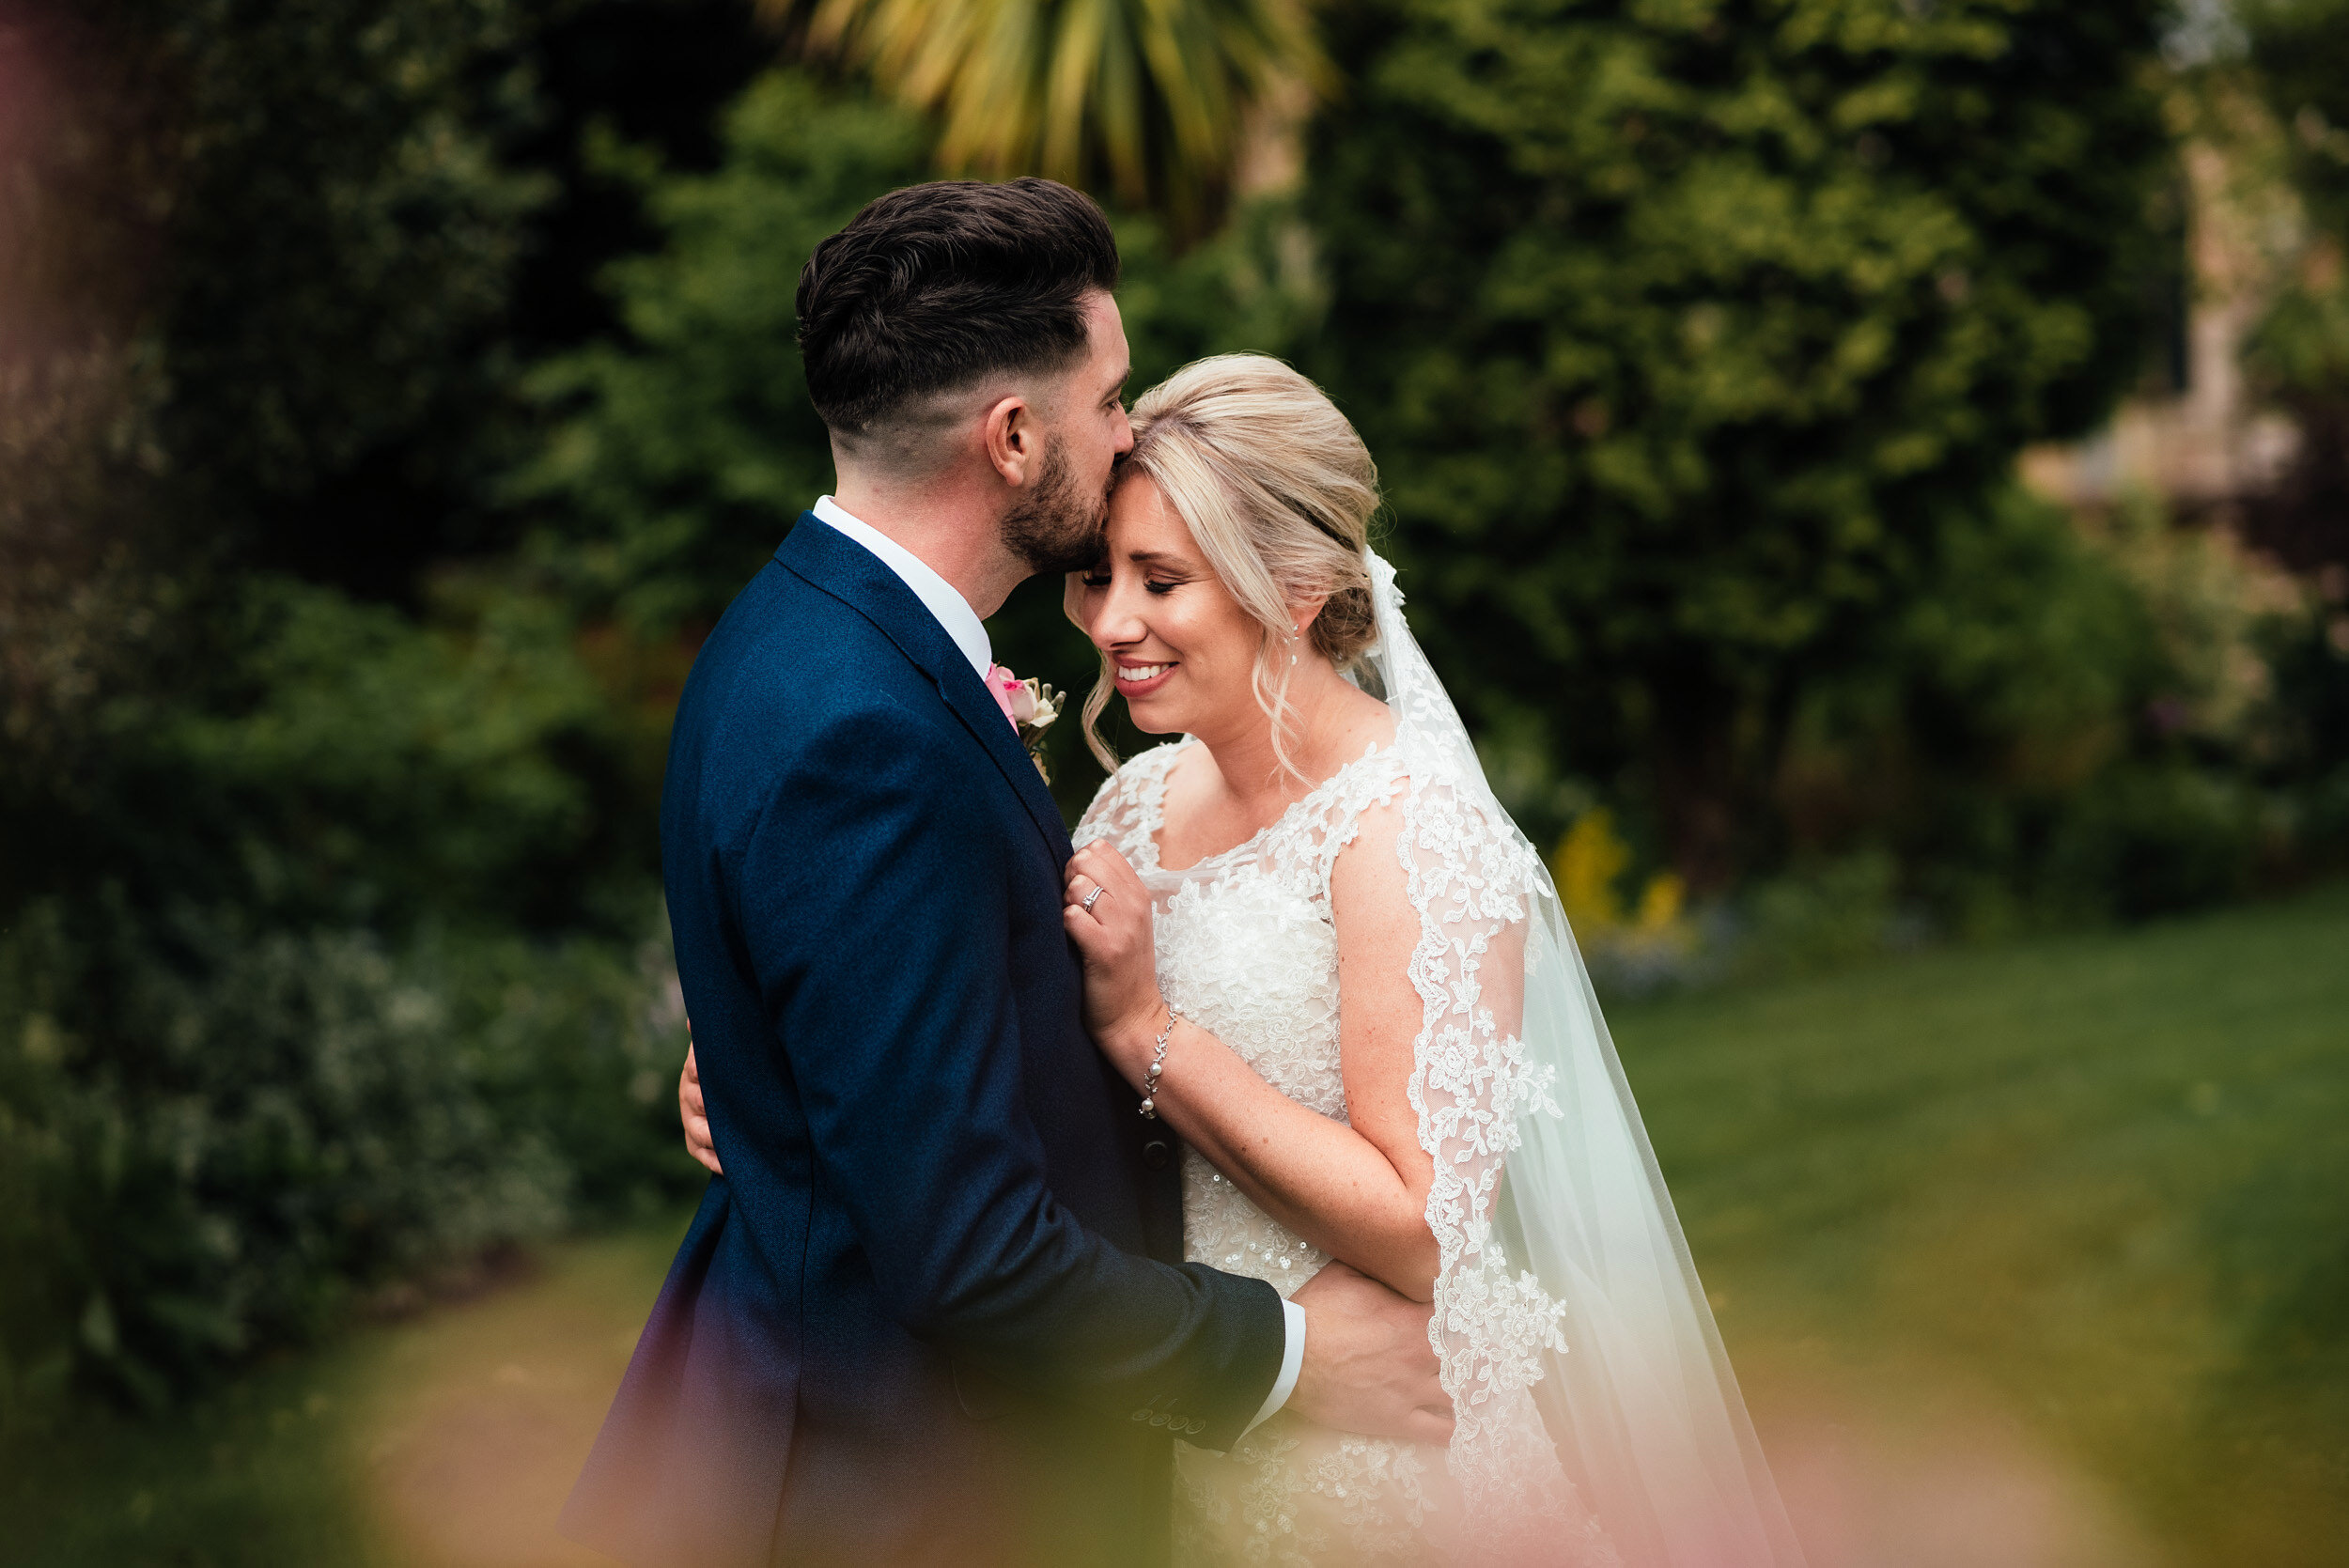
x: 1368, y: 721
x: 1355, y: 723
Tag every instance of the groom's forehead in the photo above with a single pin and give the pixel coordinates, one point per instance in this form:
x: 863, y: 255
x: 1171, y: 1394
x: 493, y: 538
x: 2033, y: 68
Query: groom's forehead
x: 1105, y: 319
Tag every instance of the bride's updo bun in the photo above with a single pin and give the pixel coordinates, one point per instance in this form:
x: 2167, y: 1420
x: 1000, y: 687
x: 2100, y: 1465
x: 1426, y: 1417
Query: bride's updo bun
x: 1279, y: 492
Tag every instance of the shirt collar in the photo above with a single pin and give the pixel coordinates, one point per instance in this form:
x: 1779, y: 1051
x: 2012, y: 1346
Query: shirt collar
x: 939, y: 596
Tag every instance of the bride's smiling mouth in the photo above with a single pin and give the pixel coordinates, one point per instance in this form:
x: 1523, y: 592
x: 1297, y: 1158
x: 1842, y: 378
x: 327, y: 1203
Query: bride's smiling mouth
x: 1140, y: 680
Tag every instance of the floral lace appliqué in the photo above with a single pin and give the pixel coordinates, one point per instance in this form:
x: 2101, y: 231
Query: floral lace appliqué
x: 1247, y: 948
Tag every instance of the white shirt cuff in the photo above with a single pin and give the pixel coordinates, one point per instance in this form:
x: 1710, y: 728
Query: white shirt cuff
x: 1292, y: 1360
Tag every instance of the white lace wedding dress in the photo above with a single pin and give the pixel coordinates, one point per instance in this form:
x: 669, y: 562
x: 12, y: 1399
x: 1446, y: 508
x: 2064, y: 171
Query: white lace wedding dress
x: 1247, y: 950
x: 1598, y: 1421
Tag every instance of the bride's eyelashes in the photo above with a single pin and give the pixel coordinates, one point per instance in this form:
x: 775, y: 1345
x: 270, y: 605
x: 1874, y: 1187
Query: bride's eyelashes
x: 1159, y: 586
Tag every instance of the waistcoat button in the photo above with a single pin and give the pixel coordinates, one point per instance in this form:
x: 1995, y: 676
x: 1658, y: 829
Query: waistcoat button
x: 1155, y: 1153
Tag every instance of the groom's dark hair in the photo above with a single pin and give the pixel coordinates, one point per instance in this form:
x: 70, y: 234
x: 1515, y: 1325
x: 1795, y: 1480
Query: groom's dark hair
x: 935, y: 286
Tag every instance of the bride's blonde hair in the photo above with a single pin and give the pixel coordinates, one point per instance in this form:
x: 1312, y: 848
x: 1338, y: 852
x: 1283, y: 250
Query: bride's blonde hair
x: 1279, y: 492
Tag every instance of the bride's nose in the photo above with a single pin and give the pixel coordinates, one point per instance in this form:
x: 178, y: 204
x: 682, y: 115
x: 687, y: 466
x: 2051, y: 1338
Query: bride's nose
x: 1117, y: 617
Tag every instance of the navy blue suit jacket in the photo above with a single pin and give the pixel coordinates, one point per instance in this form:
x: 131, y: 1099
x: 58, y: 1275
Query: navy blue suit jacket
x: 935, y: 1309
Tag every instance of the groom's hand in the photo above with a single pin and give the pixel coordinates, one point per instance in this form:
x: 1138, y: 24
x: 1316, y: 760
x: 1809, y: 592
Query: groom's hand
x: 1368, y: 1366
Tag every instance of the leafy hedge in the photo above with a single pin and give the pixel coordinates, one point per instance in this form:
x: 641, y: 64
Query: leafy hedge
x: 258, y: 1123
x: 296, y: 1037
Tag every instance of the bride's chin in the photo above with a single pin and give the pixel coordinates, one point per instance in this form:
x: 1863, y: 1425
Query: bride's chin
x: 1139, y: 712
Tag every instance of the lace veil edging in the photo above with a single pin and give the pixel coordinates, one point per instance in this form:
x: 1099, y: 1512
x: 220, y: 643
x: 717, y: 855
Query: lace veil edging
x: 1563, y: 1275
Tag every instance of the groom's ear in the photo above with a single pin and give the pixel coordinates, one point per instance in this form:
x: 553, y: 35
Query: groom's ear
x: 1013, y: 439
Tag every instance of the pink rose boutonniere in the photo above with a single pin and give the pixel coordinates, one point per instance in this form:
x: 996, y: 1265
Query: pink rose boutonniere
x: 1031, y: 706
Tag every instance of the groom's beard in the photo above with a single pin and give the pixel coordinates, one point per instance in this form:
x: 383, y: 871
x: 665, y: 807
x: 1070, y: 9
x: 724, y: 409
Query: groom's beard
x: 1057, y: 528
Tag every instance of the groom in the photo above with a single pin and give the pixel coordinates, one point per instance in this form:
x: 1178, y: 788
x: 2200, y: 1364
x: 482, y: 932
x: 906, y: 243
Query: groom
x: 935, y: 1309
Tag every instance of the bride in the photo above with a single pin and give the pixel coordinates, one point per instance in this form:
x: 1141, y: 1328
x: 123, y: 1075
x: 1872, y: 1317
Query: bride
x: 1317, y: 945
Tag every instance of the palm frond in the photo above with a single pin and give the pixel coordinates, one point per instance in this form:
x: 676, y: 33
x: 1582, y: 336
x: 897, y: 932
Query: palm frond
x: 1142, y: 99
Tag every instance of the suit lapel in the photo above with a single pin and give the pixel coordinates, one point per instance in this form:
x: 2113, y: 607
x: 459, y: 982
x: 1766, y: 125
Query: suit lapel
x: 836, y: 564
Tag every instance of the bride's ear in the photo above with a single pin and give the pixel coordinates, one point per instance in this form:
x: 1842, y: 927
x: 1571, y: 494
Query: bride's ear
x: 1304, y: 611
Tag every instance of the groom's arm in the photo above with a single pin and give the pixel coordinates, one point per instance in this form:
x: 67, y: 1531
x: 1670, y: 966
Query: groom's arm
x: 875, y: 908
x: 698, y: 1143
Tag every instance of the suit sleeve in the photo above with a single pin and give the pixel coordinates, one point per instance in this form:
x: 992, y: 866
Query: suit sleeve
x: 875, y: 909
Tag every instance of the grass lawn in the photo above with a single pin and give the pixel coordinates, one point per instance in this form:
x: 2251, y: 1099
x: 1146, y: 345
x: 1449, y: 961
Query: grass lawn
x: 2030, y: 1255
x: 2051, y: 1240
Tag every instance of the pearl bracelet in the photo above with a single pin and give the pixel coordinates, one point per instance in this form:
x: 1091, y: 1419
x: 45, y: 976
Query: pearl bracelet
x: 1158, y: 1064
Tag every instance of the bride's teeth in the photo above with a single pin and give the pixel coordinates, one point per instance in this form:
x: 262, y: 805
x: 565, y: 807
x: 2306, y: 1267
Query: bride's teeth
x: 1143, y: 672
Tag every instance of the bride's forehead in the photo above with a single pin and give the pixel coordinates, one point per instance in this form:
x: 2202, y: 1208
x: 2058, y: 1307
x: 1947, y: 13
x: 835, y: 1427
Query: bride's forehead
x: 1141, y: 519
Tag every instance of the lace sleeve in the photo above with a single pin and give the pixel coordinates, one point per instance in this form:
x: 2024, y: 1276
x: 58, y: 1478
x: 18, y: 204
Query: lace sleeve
x: 1473, y: 882
x: 1109, y: 813
x: 1126, y: 810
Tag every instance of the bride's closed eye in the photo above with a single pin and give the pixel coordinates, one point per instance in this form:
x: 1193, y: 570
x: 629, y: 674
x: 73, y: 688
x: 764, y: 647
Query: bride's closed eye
x: 1160, y: 587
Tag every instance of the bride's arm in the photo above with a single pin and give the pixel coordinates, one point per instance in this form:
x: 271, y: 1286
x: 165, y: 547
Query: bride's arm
x: 1357, y: 1192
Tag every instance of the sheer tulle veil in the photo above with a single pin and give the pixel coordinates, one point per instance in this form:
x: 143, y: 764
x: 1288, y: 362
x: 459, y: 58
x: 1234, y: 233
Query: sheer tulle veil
x: 1563, y: 1266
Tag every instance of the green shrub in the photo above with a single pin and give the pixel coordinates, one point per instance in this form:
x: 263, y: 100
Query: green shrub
x: 1819, y: 915
x: 274, y: 1024
x: 323, y: 920
x: 2311, y: 661
x: 2153, y: 840
x: 350, y: 765
x: 2325, y: 824
x: 211, y: 1135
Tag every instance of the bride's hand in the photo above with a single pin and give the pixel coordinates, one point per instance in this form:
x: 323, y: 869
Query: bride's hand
x: 1122, y: 1010
x: 694, y: 1113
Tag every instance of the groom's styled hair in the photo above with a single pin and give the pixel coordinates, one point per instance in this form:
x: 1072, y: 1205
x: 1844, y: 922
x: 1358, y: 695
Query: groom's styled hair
x: 934, y: 287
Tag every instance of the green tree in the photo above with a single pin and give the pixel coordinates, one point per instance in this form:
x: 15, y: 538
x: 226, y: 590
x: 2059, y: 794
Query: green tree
x: 684, y: 448
x: 2300, y: 52
x: 1685, y: 333
x: 343, y: 235
x: 320, y: 915
x: 2299, y: 63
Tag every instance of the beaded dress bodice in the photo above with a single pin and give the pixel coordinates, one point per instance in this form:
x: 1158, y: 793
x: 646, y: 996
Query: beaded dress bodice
x: 1247, y: 950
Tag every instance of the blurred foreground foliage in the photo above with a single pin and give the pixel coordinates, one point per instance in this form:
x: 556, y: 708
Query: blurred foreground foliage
x: 407, y: 390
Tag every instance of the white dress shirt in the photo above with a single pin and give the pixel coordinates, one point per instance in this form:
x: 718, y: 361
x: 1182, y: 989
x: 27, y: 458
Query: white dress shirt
x: 961, y: 623
x: 944, y: 600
